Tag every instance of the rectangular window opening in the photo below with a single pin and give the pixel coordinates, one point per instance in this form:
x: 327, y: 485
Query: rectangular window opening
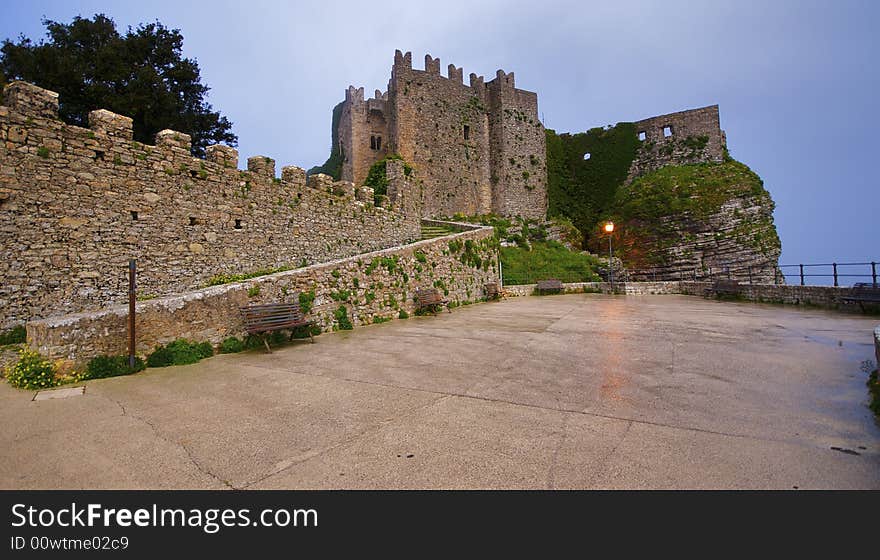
x: 372, y: 142
x: 643, y: 136
x: 378, y: 142
x: 667, y: 131
x: 238, y: 224
x: 134, y: 215
x: 467, y: 132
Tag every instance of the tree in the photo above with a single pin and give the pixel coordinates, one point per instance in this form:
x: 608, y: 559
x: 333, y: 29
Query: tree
x: 141, y: 74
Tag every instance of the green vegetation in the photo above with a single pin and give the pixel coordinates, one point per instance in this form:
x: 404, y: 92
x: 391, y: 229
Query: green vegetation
x: 100, y: 367
x: 343, y: 323
x: 583, y: 190
x: 333, y: 165
x: 377, y: 178
x: 179, y: 352
x: 253, y: 291
x: 694, y: 192
x: 220, y: 279
x: 403, y: 314
x: 232, y: 345
x: 31, y: 371
x: 306, y: 300
x: 43, y: 152
x: 546, y: 260
x: 377, y: 319
x: 15, y: 335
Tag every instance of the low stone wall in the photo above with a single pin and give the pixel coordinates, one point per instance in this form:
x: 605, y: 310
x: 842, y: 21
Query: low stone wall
x: 369, y: 286
x: 819, y: 296
x: 631, y: 288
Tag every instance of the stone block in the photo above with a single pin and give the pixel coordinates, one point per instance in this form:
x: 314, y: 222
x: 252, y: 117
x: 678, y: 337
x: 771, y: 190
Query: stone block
x: 31, y: 100
x: 111, y: 124
x: 261, y: 165
x: 225, y: 156
x: 173, y: 139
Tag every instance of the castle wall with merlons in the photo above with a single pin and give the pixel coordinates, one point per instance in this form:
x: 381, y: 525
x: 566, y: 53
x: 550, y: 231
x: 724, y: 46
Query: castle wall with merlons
x: 77, y: 203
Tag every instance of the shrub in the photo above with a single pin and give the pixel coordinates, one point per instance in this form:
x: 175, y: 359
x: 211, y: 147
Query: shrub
x: 100, y: 367
x: 343, y: 323
x: 303, y: 332
x: 31, y: 371
x: 15, y: 335
x: 231, y: 345
x: 306, y: 299
x: 178, y: 353
x: 403, y: 315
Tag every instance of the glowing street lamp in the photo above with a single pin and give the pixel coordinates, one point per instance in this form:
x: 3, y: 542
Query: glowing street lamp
x: 609, y: 229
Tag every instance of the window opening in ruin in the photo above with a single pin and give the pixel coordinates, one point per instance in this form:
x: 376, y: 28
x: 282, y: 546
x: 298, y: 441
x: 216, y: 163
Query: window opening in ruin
x: 667, y: 131
x: 99, y: 155
x: 193, y: 221
x: 372, y: 142
x: 467, y: 132
x: 378, y: 142
x: 586, y: 156
x: 643, y: 135
x: 193, y: 173
x: 134, y: 215
x: 237, y: 224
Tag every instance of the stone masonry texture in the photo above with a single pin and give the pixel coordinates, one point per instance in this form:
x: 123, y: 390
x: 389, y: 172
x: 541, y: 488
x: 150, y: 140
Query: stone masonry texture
x: 372, y: 286
x: 76, y: 204
x: 692, y: 136
x: 478, y: 148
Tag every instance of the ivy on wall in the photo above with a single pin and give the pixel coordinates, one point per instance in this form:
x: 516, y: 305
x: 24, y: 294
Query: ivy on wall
x: 583, y: 190
x: 377, y: 177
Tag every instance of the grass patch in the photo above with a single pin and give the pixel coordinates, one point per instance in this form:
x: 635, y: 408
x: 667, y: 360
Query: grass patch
x: 221, y: 279
x: 547, y: 260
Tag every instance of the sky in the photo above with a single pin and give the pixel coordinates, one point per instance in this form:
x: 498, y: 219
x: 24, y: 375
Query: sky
x: 796, y: 81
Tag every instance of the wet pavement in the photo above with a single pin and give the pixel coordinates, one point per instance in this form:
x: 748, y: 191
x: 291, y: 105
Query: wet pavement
x: 574, y: 391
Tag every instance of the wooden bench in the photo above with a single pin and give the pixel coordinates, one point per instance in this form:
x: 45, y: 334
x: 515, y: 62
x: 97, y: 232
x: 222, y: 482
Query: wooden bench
x: 262, y: 319
x: 551, y: 286
x: 492, y: 291
x: 862, y: 293
x: 726, y: 288
x: 430, y: 299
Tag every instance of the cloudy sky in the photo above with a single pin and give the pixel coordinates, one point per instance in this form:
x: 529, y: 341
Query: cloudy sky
x: 796, y: 81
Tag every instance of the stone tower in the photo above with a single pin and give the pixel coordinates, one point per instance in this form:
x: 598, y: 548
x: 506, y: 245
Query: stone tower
x: 477, y: 147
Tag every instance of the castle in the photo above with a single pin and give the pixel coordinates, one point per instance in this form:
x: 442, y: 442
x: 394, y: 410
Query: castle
x: 477, y: 148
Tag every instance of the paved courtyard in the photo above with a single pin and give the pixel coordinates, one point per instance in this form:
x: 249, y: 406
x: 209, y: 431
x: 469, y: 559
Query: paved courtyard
x: 575, y: 391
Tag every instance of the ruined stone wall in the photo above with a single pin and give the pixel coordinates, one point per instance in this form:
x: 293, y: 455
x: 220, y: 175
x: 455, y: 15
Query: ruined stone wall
x: 372, y: 286
x: 77, y: 203
x: 363, y: 133
x: 696, y: 137
x: 519, y: 152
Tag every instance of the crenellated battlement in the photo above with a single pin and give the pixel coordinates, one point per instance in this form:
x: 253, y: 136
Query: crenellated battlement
x: 480, y: 147
x: 77, y: 203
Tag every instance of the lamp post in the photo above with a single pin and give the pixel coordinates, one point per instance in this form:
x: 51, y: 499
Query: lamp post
x: 609, y: 229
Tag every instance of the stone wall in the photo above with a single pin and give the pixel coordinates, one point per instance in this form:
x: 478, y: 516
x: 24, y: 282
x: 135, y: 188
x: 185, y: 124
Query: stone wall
x: 369, y: 286
x: 696, y: 137
x: 817, y: 296
x: 76, y: 204
x: 479, y: 148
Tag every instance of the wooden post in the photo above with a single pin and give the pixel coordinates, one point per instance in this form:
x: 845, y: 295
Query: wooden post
x: 132, y: 297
